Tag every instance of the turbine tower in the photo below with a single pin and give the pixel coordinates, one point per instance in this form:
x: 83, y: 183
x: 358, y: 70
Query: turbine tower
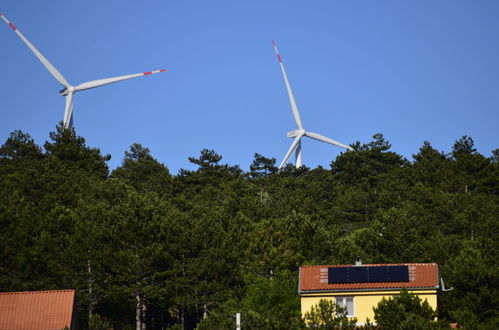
x: 300, y: 132
x: 69, y: 90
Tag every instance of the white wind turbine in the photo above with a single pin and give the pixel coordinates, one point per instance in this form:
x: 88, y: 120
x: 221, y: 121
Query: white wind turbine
x: 68, y: 89
x: 300, y: 132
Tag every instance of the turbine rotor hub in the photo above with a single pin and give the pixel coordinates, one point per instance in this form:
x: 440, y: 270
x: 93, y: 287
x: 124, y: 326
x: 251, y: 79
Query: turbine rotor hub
x: 296, y: 133
x: 66, y: 90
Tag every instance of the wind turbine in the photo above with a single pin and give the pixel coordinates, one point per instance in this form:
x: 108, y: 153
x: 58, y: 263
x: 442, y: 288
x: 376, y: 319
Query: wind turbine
x: 68, y: 89
x: 300, y: 132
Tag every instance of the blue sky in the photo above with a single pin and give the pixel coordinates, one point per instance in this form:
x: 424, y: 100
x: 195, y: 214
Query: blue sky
x: 412, y: 70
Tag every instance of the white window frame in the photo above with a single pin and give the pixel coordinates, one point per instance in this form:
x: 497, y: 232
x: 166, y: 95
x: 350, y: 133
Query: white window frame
x: 342, y: 301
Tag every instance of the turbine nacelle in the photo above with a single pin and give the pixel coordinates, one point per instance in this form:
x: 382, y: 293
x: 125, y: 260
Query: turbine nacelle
x: 66, y: 90
x: 296, y: 133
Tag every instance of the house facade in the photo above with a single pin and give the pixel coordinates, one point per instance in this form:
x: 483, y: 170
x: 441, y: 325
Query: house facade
x: 359, y: 288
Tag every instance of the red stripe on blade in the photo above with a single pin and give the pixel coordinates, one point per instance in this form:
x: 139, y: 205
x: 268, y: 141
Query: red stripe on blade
x: 162, y: 70
x: 279, y: 58
x: 146, y: 73
x: 12, y: 26
x: 273, y: 43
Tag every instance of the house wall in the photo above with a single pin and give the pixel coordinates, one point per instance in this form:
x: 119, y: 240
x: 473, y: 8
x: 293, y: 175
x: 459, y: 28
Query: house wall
x: 364, y: 301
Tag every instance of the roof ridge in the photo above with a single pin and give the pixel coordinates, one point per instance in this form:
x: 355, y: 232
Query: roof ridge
x: 36, y: 292
x: 394, y: 264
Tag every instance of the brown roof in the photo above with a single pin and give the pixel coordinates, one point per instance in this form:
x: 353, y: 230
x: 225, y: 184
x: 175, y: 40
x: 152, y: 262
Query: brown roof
x: 315, y: 278
x: 36, y: 310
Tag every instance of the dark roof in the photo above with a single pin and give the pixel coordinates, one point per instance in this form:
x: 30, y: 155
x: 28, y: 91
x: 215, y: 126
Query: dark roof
x: 315, y: 279
x: 40, y: 310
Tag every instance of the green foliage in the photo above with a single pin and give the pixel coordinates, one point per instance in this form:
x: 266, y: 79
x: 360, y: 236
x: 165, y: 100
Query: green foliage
x: 474, y: 274
x: 267, y: 303
x: 262, y: 167
x: 71, y: 150
x: 20, y: 145
x: 208, y: 159
x: 97, y: 322
x: 405, y: 311
x: 198, y: 247
x: 327, y: 315
x: 271, y: 302
x: 495, y: 156
x: 140, y: 170
x: 463, y: 146
x: 368, y: 163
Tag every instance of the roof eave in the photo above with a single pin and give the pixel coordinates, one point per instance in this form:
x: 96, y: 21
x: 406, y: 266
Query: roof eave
x: 368, y: 289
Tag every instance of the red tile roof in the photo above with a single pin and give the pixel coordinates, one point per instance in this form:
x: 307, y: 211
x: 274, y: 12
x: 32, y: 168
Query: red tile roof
x: 315, y: 278
x: 40, y: 310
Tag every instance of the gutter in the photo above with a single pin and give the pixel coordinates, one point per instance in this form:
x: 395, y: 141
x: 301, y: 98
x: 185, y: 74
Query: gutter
x: 368, y: 289
x: 299, y: 280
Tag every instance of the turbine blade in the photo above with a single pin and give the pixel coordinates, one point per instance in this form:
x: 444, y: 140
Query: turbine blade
x: 68, y: 111
x: 294, y: 108
x: 290, y: 151
x: 57, y: 75
x: 326, y: 139
x: 100, y: 82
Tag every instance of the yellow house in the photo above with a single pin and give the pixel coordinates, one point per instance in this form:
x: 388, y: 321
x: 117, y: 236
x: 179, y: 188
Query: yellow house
x: 359, y: 287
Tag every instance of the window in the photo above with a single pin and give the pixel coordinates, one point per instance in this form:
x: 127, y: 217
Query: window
x: 346, y: 302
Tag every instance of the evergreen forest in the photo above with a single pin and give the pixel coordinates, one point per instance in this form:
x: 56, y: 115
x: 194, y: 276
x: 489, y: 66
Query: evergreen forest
x: 148, y: 249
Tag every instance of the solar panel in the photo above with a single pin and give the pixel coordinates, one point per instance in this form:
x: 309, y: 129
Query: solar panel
x: 337, y: 275
x: 358, y: 275
x: 378, y: 274
x: 399, y: 274
x: 366, y: 274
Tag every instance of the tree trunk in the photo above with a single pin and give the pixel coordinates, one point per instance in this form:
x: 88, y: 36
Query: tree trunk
x: 91, y: 300
x: 138, y: 320
x: 205, y: 311
x: 143, y: 313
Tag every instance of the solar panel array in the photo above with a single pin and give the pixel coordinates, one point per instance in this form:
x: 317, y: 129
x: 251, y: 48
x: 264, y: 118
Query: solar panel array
x: 368, y: 274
